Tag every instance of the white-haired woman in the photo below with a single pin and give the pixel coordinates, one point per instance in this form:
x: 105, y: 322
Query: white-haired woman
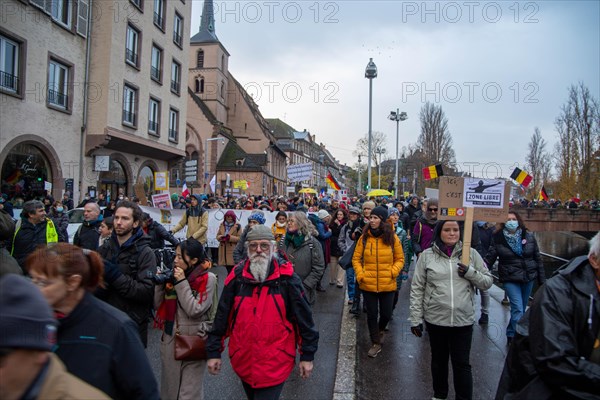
x: 304, y: 251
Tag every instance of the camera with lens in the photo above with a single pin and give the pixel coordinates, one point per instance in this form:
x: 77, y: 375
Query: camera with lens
x: 164, y: 270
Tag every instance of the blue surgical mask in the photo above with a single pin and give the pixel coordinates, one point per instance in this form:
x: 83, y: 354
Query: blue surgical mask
x: 512, y: 225
x: 59, y: 209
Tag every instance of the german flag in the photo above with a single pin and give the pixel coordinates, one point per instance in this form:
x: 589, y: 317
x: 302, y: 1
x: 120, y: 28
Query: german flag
x: 432, y: 172
x: 522, y: 177
x: 543, y: 194
x: 332, y: 182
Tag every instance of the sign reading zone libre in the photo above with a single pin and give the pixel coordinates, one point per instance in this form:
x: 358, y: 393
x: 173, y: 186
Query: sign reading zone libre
x: 487, y: 197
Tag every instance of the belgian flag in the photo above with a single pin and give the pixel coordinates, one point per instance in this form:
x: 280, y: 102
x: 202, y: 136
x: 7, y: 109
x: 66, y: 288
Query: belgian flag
x: 522, y: 177
x: 543, y: 194
x: 432, y: 172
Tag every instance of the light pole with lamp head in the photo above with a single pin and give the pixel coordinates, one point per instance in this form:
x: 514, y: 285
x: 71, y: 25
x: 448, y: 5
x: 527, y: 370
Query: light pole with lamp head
x: 206, y: 173
x: 370, y: 73
x: 397, y: 116
x: 359, y: 183
x: 379, y: 150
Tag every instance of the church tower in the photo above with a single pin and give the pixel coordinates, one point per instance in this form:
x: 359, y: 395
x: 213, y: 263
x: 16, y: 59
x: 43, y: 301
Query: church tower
x: 208, y: 73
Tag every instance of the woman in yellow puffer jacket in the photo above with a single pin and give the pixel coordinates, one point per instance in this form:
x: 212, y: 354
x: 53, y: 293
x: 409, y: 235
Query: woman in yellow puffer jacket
x: 377, y: 261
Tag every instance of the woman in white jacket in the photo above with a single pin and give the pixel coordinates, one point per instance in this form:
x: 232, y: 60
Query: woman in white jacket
x: 442, y: 294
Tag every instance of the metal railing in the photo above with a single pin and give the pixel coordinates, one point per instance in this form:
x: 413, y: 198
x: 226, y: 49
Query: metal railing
x: 9, y: 81
x: 155, y: 73
x: 131, y: 56
x: 176, y: 38
x: 153, y: 126
x: 175, y: 86
x: 158, y: 20
x: 57, y: 98
x: 172, y: 134
x: 129, y: 117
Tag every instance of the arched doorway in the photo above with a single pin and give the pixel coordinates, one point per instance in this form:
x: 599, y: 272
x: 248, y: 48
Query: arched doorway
x: 146, y: 177
x: 114, y: 181
x: 25, y: 171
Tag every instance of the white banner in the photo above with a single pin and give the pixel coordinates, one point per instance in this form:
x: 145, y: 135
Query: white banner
x: 170, y: 218
x: 299, y: 172
x: 484, y: 193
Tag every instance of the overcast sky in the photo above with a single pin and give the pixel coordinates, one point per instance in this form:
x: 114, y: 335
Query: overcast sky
x: 498, y: 69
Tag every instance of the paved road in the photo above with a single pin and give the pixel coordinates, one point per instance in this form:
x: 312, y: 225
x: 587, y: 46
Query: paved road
x: 402, y: 369
x: 320, y: 386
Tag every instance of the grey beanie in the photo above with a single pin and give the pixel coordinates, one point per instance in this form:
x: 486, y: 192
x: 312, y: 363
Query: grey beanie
x: 260, y: 232
x: 26, y: 318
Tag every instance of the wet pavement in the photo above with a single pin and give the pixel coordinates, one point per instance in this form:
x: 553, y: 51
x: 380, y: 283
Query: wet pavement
x: 342, y: 369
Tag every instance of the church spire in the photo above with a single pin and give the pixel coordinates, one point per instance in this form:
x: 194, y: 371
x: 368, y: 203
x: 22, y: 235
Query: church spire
x: 207, y: 25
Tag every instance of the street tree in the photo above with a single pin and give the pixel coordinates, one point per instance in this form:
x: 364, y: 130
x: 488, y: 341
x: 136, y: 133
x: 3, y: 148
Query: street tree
x: 378, y: 140
x: 538, y: 161
x: 578, y: 128
x: 435, y: 140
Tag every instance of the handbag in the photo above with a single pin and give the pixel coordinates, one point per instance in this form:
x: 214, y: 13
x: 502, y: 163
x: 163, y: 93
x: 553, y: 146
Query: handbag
x: 345, y: 260
x: 189, y: 347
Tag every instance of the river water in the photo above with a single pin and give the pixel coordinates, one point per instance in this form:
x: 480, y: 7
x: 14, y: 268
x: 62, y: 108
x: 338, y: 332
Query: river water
x: 565, y: 245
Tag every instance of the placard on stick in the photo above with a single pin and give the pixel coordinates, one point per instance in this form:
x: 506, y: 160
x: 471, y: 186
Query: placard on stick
x: 472, y: 199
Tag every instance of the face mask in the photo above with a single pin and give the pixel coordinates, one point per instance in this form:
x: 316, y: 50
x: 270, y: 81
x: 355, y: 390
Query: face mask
x: 512, y: 225
x: 120, y: 197
x: 59, y: 209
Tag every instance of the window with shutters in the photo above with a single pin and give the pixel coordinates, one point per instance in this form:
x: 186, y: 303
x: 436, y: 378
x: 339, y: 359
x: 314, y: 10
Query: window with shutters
x: 82, y: 17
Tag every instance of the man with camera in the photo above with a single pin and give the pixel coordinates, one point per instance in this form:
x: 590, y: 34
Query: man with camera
x: 129, y: 266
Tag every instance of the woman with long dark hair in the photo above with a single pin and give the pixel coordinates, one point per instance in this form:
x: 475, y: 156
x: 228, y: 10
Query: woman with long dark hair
x: 378, y: 259
x: 186, y: 305
x: 441, y: 294
x: 519, y: 265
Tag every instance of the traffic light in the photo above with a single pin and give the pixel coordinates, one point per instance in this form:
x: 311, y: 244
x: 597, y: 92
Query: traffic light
x: 366, y: 187
x: 39, y: 179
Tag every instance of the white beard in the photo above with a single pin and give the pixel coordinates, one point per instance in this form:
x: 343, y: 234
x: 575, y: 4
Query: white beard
x: 259, y: 266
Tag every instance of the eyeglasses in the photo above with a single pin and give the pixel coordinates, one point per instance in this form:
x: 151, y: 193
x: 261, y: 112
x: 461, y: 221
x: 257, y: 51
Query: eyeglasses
x: 41, y: 282
x: 432, y: 209
x: 263, y: 246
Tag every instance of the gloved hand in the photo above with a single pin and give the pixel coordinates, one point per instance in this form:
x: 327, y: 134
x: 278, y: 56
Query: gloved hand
x: 417, y: 330
x: 462, y: 269
x: 403, y: 275
x: 226, y: 238
x: 111, y: 271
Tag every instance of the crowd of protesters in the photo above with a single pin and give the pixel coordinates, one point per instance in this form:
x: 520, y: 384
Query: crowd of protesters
x: 113, y: 278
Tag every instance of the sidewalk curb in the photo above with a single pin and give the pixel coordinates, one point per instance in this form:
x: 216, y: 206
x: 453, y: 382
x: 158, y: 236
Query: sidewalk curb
x: 345, y: 377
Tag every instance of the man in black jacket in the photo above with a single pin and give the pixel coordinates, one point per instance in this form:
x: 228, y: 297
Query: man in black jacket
x: 157, y: 233
x: 129, y: 265
x: 88, y: 234
x: 556, y: 352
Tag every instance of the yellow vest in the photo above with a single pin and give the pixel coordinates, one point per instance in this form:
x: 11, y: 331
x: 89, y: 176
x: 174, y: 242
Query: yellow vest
x: 51, y: 233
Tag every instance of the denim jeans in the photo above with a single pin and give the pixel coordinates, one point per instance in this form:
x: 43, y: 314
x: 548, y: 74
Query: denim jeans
x: 518, y: 295
x: 351, y: 283
x: 454, y: 343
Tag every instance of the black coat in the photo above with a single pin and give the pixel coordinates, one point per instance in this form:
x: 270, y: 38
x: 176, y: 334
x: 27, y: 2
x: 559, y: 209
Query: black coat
x: 158, y: 234
x: 133, y: 291
x: 88, y: 235
x: 515, y: 268
x: 28, y: 237
x: 555, y: 338
x: 100, y: 345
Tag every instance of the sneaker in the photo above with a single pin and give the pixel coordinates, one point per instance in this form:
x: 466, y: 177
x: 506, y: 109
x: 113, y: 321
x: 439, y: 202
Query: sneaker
x: 484, y: 319
x: 320, y: 288
x: 340, y: 286
x: 374, y: 350
x: 331, y: 283
x: 350, y: 302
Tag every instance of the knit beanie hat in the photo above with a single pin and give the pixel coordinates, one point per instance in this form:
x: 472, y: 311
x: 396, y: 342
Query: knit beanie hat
x: 260, y: 232
x: 380, y: 212
x: 354, y: 210
x: 26, y: 318
x: 322, y: 214
x: 393, y: 210
x: 368, y: 204
x: 257, y: 216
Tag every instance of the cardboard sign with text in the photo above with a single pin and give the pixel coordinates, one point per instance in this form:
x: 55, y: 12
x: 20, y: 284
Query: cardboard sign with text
x: 451, y: 202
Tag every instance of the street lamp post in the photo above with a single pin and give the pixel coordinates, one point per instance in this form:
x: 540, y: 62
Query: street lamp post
x: 206, y: 173
x: 359, y: 183
x: 397, y: 116
x: 370, y: 73
x: 380, y: 151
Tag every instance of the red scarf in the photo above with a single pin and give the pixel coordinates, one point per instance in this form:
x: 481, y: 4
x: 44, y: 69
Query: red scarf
x: 165, y: 315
